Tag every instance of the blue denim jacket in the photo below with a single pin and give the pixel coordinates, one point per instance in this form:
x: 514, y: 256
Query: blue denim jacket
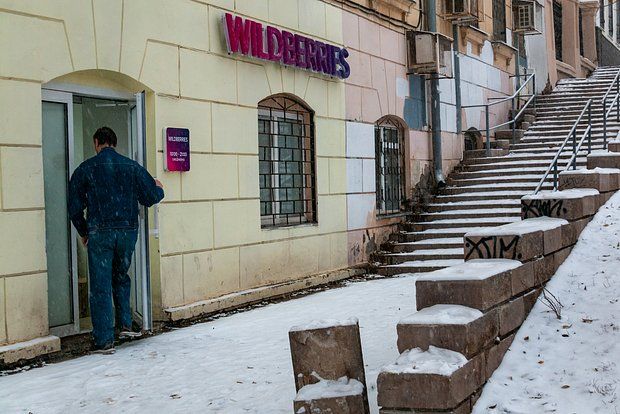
x: 110, y: 186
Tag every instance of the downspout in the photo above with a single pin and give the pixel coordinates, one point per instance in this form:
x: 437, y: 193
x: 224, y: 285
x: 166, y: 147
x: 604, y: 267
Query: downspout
x: 457, y: 79
x: 435, y: 105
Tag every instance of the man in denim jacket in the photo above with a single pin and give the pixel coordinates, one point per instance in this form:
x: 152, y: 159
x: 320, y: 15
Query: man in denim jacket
x: 110, y: 186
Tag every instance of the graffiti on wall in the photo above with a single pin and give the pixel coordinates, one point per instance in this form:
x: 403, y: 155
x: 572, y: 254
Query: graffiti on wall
x: 493, y: 247
x: 543, y: 208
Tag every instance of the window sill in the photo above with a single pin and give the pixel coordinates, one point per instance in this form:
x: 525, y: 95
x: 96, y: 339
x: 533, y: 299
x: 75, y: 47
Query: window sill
x: 289, y: 226
x: 392, y: 215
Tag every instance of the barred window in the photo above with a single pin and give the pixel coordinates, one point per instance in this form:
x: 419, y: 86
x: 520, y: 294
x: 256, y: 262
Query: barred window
x: 286, y: 162
x: 499, y: 20
x: 557, y: 28
x: 389, y: 161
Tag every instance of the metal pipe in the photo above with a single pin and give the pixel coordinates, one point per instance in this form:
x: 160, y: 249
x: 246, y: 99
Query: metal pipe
x: 488, y: 143
x: 575, y: 149
x: 514, y: 121
x: 457, y: 80
x: 555, y: 174
x: 435, y: 105
x: 590, y: 128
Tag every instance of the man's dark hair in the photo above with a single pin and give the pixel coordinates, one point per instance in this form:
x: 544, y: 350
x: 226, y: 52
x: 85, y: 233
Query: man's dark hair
x: 105, y: 135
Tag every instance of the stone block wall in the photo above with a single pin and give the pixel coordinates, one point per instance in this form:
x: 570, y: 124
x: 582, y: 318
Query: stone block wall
x: 468, y: 315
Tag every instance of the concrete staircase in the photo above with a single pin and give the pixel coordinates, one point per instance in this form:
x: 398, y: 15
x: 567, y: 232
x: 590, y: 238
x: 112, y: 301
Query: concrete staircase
x: 486, y: 191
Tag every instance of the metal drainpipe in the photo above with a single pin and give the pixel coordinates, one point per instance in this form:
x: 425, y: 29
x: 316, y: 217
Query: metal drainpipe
x: 457, y: 79
x: 435, y: 104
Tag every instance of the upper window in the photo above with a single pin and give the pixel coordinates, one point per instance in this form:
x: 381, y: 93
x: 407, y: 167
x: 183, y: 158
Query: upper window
x: 557, y: 28
x: 499, y: 20
x: 286, y: 162
x: 389, y: 162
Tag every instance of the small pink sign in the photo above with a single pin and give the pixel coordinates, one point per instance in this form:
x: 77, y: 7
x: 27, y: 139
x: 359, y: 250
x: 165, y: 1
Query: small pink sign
x: 176, y: 149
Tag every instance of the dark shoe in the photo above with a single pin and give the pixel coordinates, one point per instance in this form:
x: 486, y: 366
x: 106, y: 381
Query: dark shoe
x: 107, y: 349
x: 128, y: 333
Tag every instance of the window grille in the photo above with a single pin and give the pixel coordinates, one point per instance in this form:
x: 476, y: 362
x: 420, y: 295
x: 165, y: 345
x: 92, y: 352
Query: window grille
x: 610, y: 26
x: 557, y: 28
x: 389, y: 162
x: 499, y: 20
x: 286, y: 162
x: 581, y: 48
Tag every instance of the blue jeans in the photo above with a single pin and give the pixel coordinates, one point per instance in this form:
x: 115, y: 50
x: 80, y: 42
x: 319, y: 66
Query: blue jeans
x: 109, y: 257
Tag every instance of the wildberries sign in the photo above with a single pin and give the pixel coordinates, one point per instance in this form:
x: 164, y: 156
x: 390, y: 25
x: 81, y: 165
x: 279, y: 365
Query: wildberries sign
x: 250, y: 38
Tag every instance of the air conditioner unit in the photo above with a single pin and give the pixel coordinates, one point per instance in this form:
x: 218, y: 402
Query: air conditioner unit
x: 429, y: 53
x: 528, y: 17
x: 462, y: 11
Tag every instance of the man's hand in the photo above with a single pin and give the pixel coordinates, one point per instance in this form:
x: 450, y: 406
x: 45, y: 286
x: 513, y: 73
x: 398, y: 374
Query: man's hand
x: 158, y: 183
x: 85, y: 240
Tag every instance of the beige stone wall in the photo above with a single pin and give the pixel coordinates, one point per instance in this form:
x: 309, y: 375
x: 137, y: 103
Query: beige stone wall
x: 211, y: 242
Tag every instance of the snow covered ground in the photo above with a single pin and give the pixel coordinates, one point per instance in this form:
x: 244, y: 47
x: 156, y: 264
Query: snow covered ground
x: 570, y: 365
x: 237, y: 364
x: 241, y: 363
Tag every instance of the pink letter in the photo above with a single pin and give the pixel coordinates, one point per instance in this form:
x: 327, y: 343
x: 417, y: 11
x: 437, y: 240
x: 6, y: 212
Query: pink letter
x: 274, y: 44
x: 311, y: 54
x: 237, y: 34
x: 300, y: 45
x: 258, y: 41
x: 321, y: 59
x: 288, y: 43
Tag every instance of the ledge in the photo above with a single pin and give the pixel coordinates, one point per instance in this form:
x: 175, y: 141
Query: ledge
x: 503, y: 51
x: 566, y: 69
x: 10, y: 354
x: 475, y: 36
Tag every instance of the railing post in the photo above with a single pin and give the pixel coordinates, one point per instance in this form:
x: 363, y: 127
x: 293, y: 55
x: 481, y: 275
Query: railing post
x: 575, y: 148
x: 590, y: 126
x: 488, y: 143
x: 555, y: 174
x: 604, y: 123
x: 514, y: 121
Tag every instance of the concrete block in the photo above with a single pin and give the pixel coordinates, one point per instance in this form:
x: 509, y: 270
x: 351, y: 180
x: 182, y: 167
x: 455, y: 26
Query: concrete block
x: 21, y: 178
x: 601, y: 179
x: 20, y: 119
x: 522, y: 278
x: 327, y: 349
x: 344, y: 398
x: 613, y: 146
x: 171, y: 280
x: 235, y: 121
x: 186, y: 227
x: 222, y: 85
x: 454, y: 327
x: 571, y: 231
x: 569, y: 204
x: 210, y: 274
x: 603, y: 159
x: 194, y: 115
x: 511, y: 316
x: 212, y: 177
x: 529, y: 300
x: 561, y: 256
x: 22, y: 231
x: 495, y: 354
x: 160, y: 70
x: 521, y: 240
x: 2, y: 313
x: 479, y: 284
x: 10, y: 354
x: 330, y: 137
x: 408, y: 385
x: 544, y: 269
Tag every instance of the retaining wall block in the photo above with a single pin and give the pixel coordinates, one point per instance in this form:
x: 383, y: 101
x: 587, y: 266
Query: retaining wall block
x: 328, y: 350
x: 571, y: 231
x: 569, y: 204
x: 602, y: 159
x: 529, y: 299
x: 430, y: 392
x: 472, y: 332
x: 511, y: 315
x: 613, y: 145
x: 523, y: 278
x: 544, y: 269
x: 495, y: 354
x: 601, y: 179
x: 478, y: 284
x: 350, y: 404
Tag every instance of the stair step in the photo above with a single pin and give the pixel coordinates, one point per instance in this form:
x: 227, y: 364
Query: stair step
x: 439, y: 243
x: 460, y: 223
x: 419, y: 255
x: 417, y: 266
x: 472, y: 205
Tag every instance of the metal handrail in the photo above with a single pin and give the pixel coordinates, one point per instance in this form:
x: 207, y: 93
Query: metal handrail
x: 606, y: 113
x: 572, y: 162
x: 573, y: 133
x: 514, y: 98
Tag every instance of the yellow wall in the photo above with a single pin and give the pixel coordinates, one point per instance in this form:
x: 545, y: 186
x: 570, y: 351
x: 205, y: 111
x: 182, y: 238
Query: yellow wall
x: 211, y: 242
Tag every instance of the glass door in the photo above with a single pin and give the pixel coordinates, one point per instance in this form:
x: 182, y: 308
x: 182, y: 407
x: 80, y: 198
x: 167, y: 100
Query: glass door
x: 57, y: 128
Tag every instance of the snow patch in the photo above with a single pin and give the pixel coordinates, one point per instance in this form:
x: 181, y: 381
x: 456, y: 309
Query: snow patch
x: 342, y: 387
x: 443, y: 315
x: 324, y: 323
x: 437, y: 361
x: 521, y: 227
x: 562, y: 195
x: 478, y: 269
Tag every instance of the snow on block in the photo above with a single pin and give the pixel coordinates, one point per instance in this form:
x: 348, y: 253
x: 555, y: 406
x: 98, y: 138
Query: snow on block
x: 601, y: 179
x: 523, y: 240
x: 327, y: 350
x: 436, y: 379
x: 454, y: 327
x: 478, y: 284
x: 603, y: 159
x: 342, y: 396
x: 568, y: 204
x: 614, y: 145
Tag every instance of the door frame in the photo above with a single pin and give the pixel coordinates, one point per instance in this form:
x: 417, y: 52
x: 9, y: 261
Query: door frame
x: 67, y: 99
x: 63, y: 93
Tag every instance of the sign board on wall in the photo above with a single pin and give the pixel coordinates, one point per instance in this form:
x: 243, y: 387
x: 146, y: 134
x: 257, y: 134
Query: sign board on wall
x: 250, y: 38
x: 176, y: 149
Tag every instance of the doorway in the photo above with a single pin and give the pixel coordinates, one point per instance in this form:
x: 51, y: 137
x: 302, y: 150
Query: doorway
x: 69, y: 122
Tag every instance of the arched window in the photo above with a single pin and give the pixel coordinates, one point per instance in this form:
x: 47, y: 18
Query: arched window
x: 286, y: 162
x: 390, y: 163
